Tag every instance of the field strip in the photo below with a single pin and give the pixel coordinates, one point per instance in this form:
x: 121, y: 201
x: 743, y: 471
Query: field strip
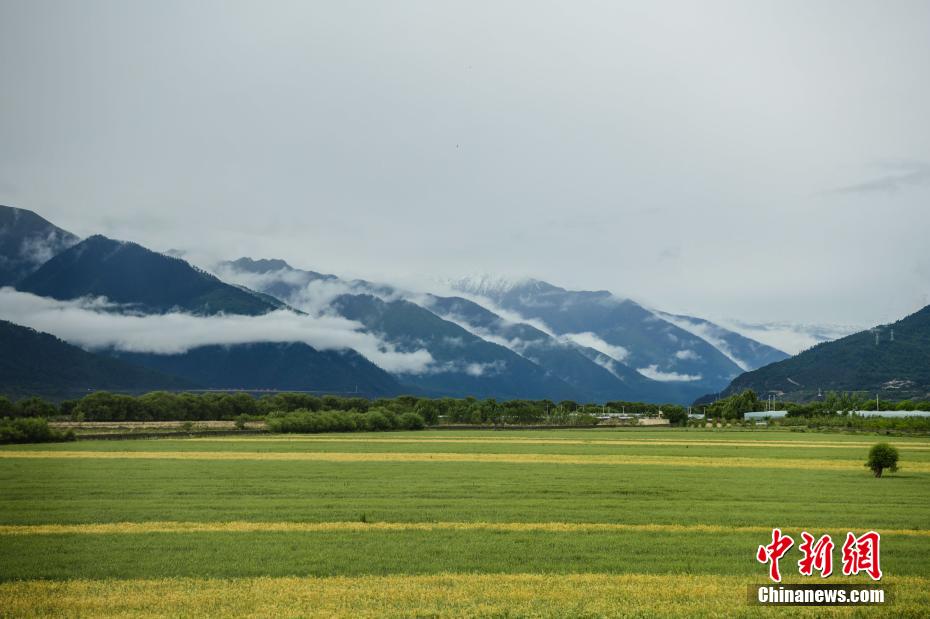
x: 545, y: 441
x: 118, y: 528
x: 440, y: 595
x: 728, y: 462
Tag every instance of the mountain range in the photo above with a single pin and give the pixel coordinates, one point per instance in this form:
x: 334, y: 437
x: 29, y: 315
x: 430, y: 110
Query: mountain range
x: 483, y: 337
x: 477, y: 351
x: 654, y: 344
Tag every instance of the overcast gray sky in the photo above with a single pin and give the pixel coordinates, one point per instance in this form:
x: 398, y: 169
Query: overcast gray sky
x: 746, y: 159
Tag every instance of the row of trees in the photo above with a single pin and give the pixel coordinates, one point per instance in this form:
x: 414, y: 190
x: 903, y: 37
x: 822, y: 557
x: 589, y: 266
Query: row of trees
x: 375, y: 420
x: 168, y: 406
x: 831, y: 412
x: 737, y: 405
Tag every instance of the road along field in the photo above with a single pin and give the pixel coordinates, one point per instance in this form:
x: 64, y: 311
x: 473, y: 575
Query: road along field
x: 550, y: 523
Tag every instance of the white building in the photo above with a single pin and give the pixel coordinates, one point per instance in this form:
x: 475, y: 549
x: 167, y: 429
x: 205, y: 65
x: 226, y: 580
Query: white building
x: 892, y: 414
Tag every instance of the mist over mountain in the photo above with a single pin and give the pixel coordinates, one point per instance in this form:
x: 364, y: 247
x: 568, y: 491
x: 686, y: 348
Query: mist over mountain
x: 144, y: 280
x: 462, y: 363
x: 582, y: 367
x: 620, y: 328
x: 748, y: 354
x: 580, y: 359
x: 124, y: 300
x: 26, y: 242
x: 498, y: 338
x: 892, y: 360
x: 791, y: 337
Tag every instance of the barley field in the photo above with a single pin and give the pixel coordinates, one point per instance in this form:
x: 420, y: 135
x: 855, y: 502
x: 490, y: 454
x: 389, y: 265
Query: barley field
x: 439, y: 523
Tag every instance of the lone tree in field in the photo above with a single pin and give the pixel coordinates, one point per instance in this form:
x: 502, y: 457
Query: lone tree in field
x: 882, y: 456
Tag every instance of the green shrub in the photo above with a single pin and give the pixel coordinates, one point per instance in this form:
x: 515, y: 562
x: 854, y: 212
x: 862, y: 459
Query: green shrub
x: 304, y: 421
x: 411, y: 421
x: 882, y: 456
x: 31, y: 430
x: 377, y: 422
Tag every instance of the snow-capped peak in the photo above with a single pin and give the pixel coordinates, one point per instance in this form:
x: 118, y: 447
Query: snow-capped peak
x: 487, y: 285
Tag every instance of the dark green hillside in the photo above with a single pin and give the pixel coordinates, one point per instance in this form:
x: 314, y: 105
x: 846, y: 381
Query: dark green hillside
x: 290, y: 366
x: 35, y: 363
x: 896, y: 369
x: 128, y: 273
x: 27, y: 241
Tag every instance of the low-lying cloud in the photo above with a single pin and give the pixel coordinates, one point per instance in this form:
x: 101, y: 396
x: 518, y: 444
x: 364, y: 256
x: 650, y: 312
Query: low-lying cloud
x: 653, y: 372
x: 591, y: 340
x: 610, y: 353
x: 792, y: 338
x: 708, y: 332
x: 92, y: 324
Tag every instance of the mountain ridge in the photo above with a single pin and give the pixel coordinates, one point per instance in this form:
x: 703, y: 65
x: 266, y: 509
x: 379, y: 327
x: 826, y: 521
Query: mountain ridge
x: 27, y: 240
x: 892, y: 360
x: 652, y: 346
x: 128, y: 273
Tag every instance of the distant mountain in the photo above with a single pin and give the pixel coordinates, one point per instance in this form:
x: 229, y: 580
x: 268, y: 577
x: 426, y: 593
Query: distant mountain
x: 464, y: 363
x: 629, y: 332
x: 525, y: 361
x: 26, y: 242
x: 526, y: 339
x: 274, y: 277
x: 127, y: 273
x: 589, y: 371
x: 36, y: 363
x: 893, y: 360
x: 292, y: 366
x: 747, y: 353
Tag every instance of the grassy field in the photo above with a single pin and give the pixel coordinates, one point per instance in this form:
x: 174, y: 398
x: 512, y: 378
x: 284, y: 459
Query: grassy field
x: 539, y: 523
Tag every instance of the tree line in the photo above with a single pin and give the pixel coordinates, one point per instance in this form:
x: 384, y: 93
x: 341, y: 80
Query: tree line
x: 170, y: 406
x: 834, y: 411
x: 737, y: 405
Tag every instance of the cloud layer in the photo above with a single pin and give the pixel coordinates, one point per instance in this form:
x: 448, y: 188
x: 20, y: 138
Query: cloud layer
x: 653, y: 372
x: 91, y: 324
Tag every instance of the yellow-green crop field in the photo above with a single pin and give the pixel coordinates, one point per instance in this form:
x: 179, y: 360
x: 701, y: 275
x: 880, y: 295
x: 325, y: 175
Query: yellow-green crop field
x: 580, y: 523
